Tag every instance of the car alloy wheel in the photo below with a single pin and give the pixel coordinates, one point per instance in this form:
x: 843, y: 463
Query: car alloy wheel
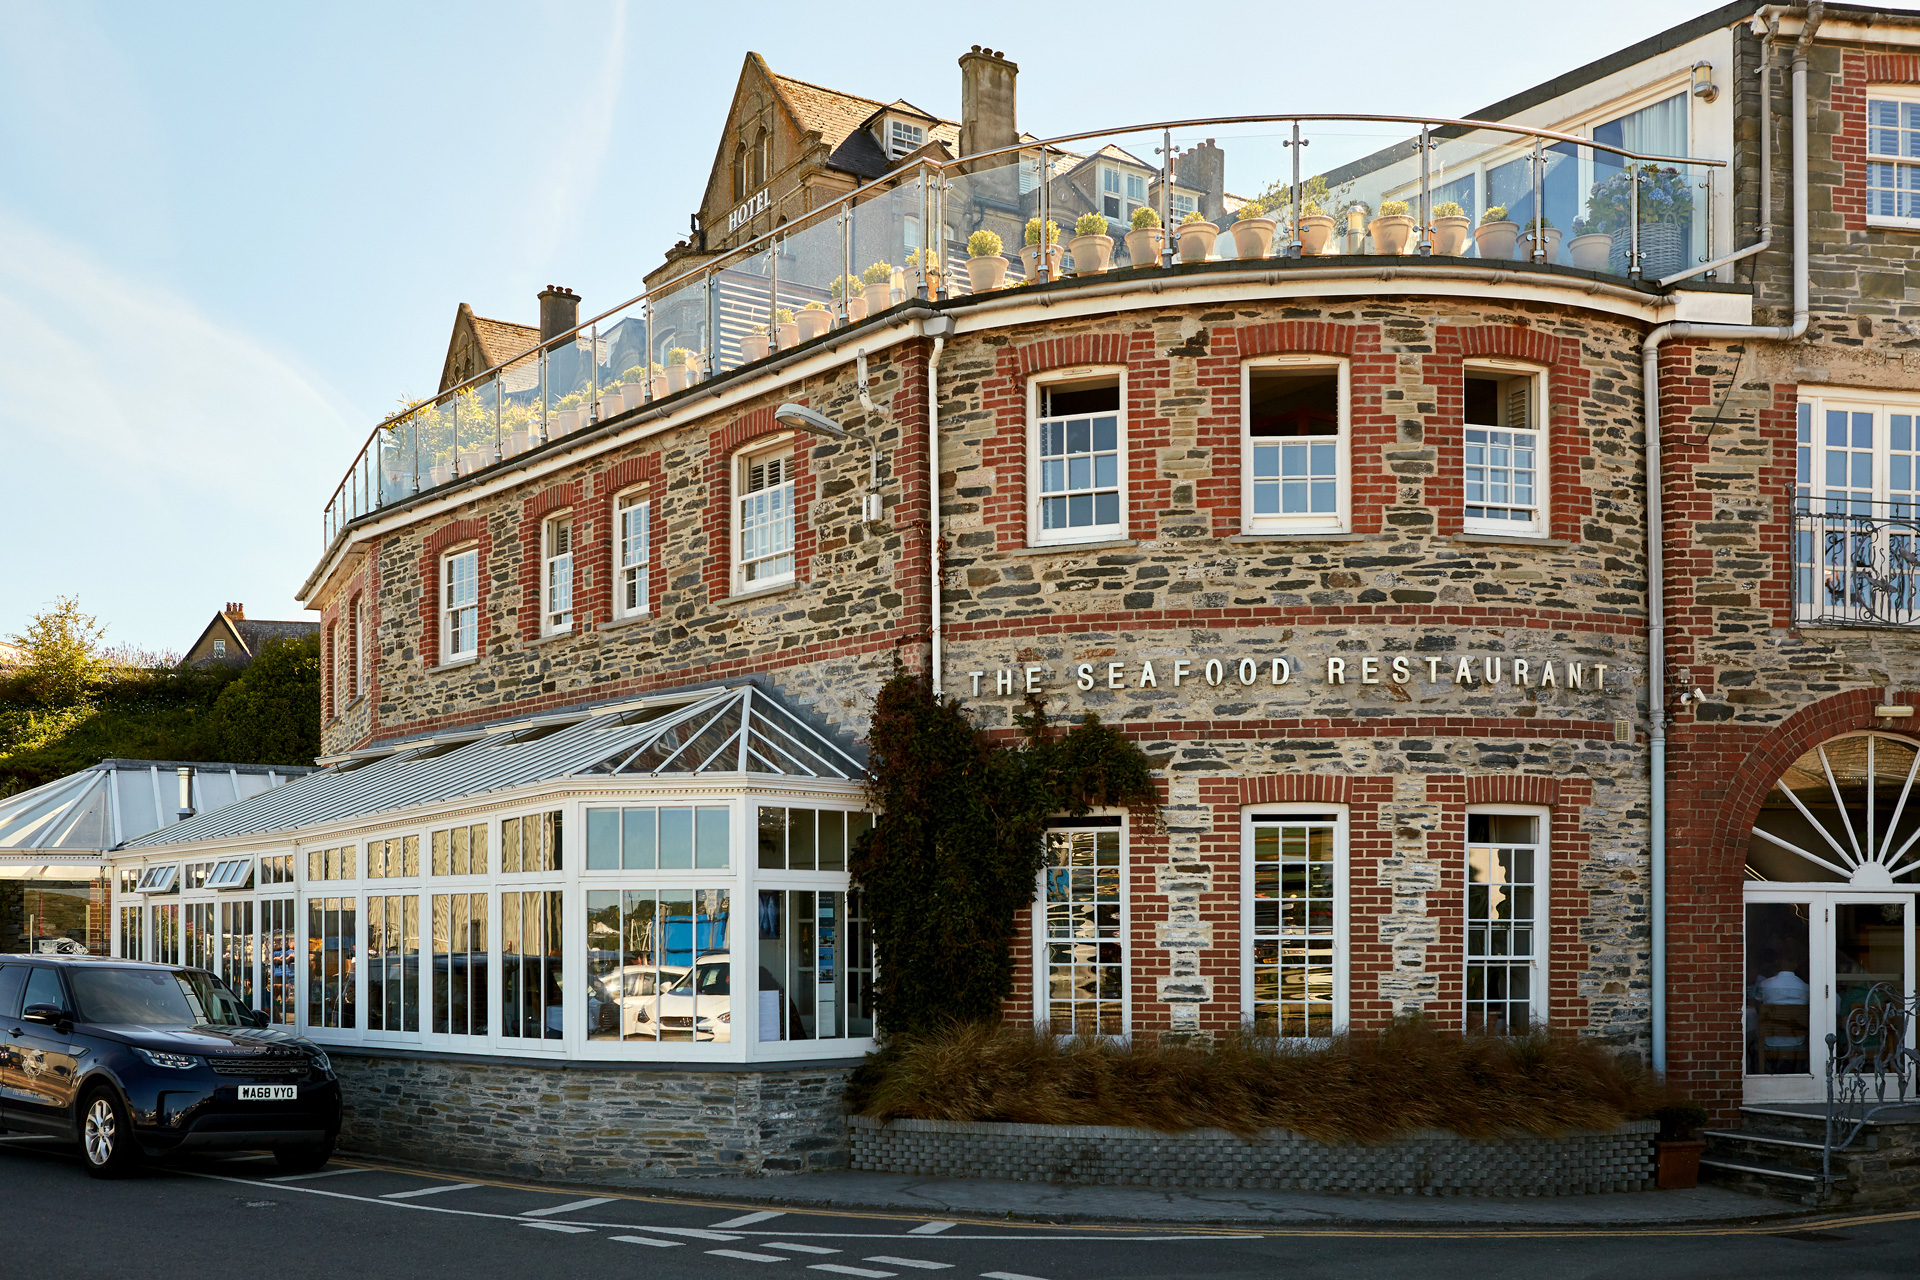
x: 102, y: 1128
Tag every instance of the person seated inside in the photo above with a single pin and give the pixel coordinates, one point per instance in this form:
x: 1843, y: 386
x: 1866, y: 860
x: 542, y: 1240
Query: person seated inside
x: 1780, y: 996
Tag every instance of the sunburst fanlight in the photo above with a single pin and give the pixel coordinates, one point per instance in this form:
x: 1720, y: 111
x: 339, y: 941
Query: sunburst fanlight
x: 1849, y: 808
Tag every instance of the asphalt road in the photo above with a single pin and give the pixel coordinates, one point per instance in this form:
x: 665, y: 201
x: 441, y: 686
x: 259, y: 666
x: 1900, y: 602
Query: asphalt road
x: 236, y: 1216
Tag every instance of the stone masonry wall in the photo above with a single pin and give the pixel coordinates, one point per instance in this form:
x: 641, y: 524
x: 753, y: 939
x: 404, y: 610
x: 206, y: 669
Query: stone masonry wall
x: 1425, y: 1162
x: 590, y: 1122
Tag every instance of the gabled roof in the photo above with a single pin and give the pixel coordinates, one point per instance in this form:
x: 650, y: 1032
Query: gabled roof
x: 818, y: 109
x: 251, y: 635
x: 116, y: 800
x: 741, y: 730
x: 502, y: 340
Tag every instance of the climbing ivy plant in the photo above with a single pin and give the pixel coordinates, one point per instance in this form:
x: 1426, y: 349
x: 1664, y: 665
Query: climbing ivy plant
x: 959, y: 838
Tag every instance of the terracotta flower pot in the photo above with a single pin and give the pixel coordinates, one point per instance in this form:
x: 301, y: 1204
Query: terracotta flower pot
x: 1196, y: 241
x: 561, y: 422
x: 813, y: 324
x: 753, y: 347
x: 1316, y: 235
x: 1678, y: 1166
x: 788, y: 334
x: 659, y: 386
x: 856, y: 309
x: 515, y: 443
x: 1253, y: 238
x: 1392, y: 234
x: 1451, y: 235
x: 1143, y: 246
x: 1592, y: 251
x: 987, y: 274
x: 439, y: 473
x: 1552, y: 246
x: 1030, y: 260
x: 879, y: 295
x: 471, y: 460
x: 613, y: 401
x: 1496, y: 239
x: 676, y: 378
x: 1091, y: 254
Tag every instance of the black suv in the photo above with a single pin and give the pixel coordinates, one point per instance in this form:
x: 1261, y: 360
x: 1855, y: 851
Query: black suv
x: 127, y: 1059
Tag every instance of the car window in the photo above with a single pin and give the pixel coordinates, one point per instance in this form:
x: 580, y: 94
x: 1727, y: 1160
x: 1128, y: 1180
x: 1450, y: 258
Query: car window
x: 713, y: 979
x: 13, y: 980
x: 43, y: 987
x: 155, y: 998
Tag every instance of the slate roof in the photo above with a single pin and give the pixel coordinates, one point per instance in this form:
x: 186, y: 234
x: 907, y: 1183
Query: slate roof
x: 258, y: 635
x: 841, y: 119
x: 501, y: 340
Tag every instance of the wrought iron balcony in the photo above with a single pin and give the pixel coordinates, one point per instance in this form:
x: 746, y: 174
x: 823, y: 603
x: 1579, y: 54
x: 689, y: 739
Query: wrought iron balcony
x: 1856, y: 562
x: 1426, y: 189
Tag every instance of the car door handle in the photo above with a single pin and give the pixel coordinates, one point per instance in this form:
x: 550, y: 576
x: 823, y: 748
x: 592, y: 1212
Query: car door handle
x: 17, y: 1032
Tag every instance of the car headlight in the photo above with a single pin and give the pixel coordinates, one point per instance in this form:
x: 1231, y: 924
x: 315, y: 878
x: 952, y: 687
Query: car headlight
x: 172, y: 1061
x: 725, y: 1017
x: 321, y: 1062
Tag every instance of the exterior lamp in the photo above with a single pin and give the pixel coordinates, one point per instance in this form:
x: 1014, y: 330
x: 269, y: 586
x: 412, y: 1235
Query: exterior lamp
x: 1703, y: 85
x: 801, y: 418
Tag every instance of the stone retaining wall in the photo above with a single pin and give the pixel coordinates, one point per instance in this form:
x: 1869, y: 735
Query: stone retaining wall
x: 1424, y: 1162
x: 591, y: 1122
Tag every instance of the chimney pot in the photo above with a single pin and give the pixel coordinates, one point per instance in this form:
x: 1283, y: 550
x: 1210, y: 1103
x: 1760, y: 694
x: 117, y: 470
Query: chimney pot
x: 559, y: 311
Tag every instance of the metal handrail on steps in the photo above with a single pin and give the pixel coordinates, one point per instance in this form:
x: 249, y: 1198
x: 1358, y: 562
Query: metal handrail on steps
x: 1872, y: 1051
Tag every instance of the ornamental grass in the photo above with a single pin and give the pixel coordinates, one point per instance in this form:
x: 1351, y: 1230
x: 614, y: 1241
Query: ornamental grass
x: 1363, y: 1087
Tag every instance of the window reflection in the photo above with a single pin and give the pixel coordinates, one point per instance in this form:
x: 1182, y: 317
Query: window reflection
x: 657, y: 965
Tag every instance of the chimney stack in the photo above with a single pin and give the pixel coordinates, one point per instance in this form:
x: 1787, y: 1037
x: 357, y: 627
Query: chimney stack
x: 236, y: 610
x: 559, y: 311
x: 987, y: 116
x: 1205, y: 167
x: 185, y: 774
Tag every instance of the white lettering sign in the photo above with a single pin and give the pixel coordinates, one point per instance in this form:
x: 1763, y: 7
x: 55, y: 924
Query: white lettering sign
x: 1468, y: 671
x: 753, y: 208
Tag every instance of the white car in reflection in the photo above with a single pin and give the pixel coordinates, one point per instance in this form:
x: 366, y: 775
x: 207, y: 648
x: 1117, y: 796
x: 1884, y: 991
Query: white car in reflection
x: 700, y: 1002
x: 627, y: 1000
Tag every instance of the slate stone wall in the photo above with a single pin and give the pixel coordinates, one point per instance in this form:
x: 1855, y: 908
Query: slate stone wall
x: 1425, y: 1162
x: 590, y: 1122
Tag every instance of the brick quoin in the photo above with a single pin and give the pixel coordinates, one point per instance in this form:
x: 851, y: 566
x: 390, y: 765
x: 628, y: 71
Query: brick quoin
x: 437, y: 544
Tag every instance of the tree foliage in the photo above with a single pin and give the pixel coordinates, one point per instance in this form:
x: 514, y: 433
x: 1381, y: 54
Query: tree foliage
x: 271, y: 713
x: 64, y: 660
x: 959, y: 839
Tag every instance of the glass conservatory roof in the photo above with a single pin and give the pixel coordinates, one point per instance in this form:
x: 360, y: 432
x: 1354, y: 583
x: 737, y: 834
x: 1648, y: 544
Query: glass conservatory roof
x: 743, y: 730
x: 116, y: 800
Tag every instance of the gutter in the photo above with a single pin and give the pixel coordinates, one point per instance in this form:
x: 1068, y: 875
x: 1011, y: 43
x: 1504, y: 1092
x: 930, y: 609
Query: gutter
x: 1656, y: 560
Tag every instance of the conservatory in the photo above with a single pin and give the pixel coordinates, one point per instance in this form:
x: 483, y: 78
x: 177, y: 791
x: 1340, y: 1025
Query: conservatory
x: 590, y: 886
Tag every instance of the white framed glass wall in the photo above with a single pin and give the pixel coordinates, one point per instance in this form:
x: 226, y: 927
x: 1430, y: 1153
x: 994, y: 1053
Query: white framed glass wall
x: 609, y: 922
x: 1293, y: 923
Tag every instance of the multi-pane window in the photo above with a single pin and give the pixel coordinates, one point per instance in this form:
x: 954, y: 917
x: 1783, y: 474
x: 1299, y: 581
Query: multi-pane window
x: 1893, y: 158
x: 359, y: 645
x: 1183, y: 204
x: 531, y: 843
x: 393, y: 962
x: 460, y: 604
x: 904, y: 138
x: 460, y: 851
x: 1501, y: 453
x: 669, y: 838
x: 460, y: 963
x: 166, y: 933
x: 1080, y: 458
x: 333, y: 932
x: 331, y: 864
x: 808, y: 839
x: 1506, y: 863
x: 399, y: 856
x: 236, y: 946
x: 658, y: 965
x: 765, y: 496
x: 530, y: 967
x: 279, y: 958
x: 812, y: 986
x: 1121, y: 192
x: 1857, y: 502
x: 632, y: 551
x: 1295, y: 452
x: 219, y: 648
x: 1293, y: 919
x: 1085, y: 937
x: 132, y: 932
x: 557, y: 576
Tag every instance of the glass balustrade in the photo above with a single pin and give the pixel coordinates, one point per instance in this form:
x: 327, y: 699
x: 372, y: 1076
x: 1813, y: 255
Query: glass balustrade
x: 1243, y: 190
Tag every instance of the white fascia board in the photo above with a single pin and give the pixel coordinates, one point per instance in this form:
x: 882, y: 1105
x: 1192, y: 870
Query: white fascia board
x: 1713, y: 308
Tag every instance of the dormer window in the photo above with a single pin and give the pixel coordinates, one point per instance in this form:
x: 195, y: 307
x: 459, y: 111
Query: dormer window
x: 1121, y: 192
x: 904, y: 138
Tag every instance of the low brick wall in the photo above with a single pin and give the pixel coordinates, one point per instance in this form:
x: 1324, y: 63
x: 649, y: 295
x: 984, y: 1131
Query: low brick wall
x: 1424, y: 1162
x: 591, y: 1122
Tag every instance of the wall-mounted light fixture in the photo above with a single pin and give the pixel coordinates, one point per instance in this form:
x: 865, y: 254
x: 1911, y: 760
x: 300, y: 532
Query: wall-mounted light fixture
x: 801, y: 418
x: 1703, y: 86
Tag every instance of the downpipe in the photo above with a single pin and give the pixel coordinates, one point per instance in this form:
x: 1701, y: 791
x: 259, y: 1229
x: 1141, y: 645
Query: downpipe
x: 937, y: 328
x: 1656, y: 554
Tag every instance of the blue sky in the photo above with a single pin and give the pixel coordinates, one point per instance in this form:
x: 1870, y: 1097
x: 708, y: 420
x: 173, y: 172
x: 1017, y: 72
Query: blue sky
x: 232, y: 236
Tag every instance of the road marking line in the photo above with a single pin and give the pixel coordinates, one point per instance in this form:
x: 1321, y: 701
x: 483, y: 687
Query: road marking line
x: 923, y: 1264
x: 658, y: 1244
x: 696, y: 1232
x: 1005, y: 1275
x: 748, y: 1219
x: 558, y: 1226
x: 839, y: 1270
x: 429, y: 1191
x: 744, y: 1256
x: 932, y: 1228
x: 324, y: 1173
x: 568, y: 1207
x: 797, y: 1248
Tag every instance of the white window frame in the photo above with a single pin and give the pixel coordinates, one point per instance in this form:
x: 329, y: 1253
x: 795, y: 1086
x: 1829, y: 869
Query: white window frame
x: 904, y: 137
x: 1342, y: 941
x: 781, y: 446
x: 1042, y: 1004
x: 637, y: 504
x: 338, y: 672
x: 556, y: 569
x: 1125, y: 202
x: 1542, y: 489
x: 450, y: 611
x: 1037, y: 534
x: 1542, y: 880
x: 219, y: 648
x: 1904, y: 96
x: 1341, y: 520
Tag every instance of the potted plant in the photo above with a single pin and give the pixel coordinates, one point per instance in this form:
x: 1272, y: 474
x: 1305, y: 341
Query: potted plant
x: 754, y: 345
x: 1252, y: 231
x: 1091, y: 246
x: 1392, y: 228
x: 1146, y: 238
x: 680, y: 367
x: 1547, y: 236
x: 986, y: 268
x: 850, y: 289
x: 1030, y: 256
x: 1589, y: 249
x: 613, y: 399
x: 1679, y: 1145
x: 659, y: 380
x: 1495, y: 235
x: 878, y: 279
x: 439, y: 471
x: 914, y: 275
x: 1452, y: 229
x: 1196, y: 237
x: 786, y: 331
x: 567, y: 414
x: 636, y: 377
x: 1316, y: 230
x: 815, y: 320
x: 1666, y: 218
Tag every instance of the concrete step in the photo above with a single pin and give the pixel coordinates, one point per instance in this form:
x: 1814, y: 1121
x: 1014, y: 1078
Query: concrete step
x: 1745, y: 1147
x: 1781, y: 1123
x: 1758, y: 1177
